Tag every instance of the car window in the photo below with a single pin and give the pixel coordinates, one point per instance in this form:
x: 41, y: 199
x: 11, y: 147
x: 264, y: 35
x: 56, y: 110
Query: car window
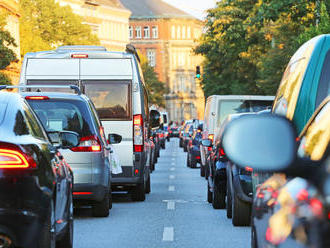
x: 97, y: 122
x: 64, y: 115
x: 324, y: 84
x: 112, y: 99
x: 20, y: 127
x: 316, y: 136
x: 52, y: 82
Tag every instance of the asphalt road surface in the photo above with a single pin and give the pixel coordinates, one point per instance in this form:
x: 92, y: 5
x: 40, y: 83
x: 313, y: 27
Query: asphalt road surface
x: 174, y: 214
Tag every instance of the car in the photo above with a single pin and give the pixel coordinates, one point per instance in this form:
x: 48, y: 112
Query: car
x: 182, y: 130
x: 36, y: 182
x: 165, y: 122
x: 90, y: 160
x: 115, y: 84
x: 193, y: 152
x: 291, y: 211
x: 174, y: 131
x: 216, y: 110
x: 187, y: 134
x: 161, y: 137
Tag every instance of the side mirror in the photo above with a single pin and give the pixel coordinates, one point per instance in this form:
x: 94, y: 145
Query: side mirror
x: 114, y: 138
x: 68, y: 139
x: 263, y: 142
x: 154, y: 119
x: 206, y: 142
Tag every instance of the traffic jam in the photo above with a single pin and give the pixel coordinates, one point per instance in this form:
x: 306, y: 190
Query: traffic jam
x: 74, y: 133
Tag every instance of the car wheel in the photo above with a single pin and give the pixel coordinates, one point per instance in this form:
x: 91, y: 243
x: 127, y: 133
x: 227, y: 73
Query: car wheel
x: 139, y: 192
x: 110, y: 198
x: 148, y: 186
x: 180, y: 143
x: 188, y: 160
x: 241, y: 211
x: 193, y: 163
x: 67, y: 239
x: 101, y: 208
x: 202, y: 171
x: 254, y: 243
x: 48, y: 236
x: 163, y: 145
x: 209, y: 194
x: 185, y: 148
x: 218, y: 198
x: 229, y: 205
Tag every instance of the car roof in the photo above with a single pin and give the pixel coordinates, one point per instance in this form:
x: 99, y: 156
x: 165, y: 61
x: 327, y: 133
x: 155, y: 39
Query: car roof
x: 57, y: 95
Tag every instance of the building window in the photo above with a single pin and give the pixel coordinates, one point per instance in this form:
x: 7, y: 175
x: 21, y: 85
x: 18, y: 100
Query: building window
x: 173, y: 32
x: 155, y: 32
x: 183, y: 32
x: 178, y: 33
x: 138, y: 32
x: 146, y: 32
x: 189, y: 33
x: 130, y: 32
x: 151, y: 55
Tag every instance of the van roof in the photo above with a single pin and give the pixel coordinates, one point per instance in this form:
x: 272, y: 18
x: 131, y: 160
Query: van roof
x: 241, y: 97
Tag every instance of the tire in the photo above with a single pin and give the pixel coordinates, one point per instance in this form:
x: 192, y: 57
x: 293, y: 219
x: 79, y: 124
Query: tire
x: 193, y: 163
x: 202, y: 171
x: 139, y: 192
x: 180, y: 143
x: 229, y: 204
x: 148, y: 186
x: 67, y: 239
x: 48, y: 236
x: 101, y: 208
x: 185, y: 149
x: 254, y: 242
x: 163, y: 145
x: 188, y: 160
x: 218, y: 198
x: 209, y: 194
x: 241, y: 211
x: 110, y: 198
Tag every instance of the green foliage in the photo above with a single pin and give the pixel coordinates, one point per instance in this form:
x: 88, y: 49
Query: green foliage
x: 7, y: 55
x: 45, y: 25
x: 156, y: 89
x: 248, y: 43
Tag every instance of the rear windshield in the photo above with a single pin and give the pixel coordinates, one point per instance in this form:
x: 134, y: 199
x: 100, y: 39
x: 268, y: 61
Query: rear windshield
x: 64, y: 115
x: 112, y: 99
x: 227, y: 107
x: 3, y: 107
x: 52, y: 82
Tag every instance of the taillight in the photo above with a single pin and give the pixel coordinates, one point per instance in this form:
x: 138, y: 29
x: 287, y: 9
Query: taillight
x: 138, y: 133
x: 14, y: 159
x: 37, y: 98
x: 79, y: 56
x: 222, y: 152
x: 249, y: 169
x: 211, y: 137
x: 88, y: 144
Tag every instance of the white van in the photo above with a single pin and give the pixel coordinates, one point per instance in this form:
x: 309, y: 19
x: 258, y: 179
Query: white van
x: 219, y: 106
x: 114, y: 82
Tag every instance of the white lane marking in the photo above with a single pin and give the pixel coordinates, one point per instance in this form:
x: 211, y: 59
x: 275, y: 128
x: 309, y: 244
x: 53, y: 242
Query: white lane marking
x: 170, y: 205
x: 171, y: 188
x: 173, y: 159
x: 172, y: 169
x: 168, y: 234
x: 172, y: 163
x: 172, y: 177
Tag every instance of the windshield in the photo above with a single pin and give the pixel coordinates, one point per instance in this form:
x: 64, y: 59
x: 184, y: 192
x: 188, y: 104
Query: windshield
x: 227, y: 107
x: 112, y: 99
x: 64, y: 115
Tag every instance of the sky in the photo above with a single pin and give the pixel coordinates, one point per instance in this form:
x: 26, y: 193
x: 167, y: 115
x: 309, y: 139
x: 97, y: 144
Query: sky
x: 196, y: 8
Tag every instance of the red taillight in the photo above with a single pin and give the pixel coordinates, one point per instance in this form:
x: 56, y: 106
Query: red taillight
x: 249, y: 169
x: 79, y: 56
x: 209, y: 149
x: 316, y: 206
x: 260, y: 195
x: 138, y: 133
x: 14, y: 159
x: 88, y: 144
x: 222, y: 152
x: 198, y: 157
x: 136, y: 171
x: 302, y: 195
x: 211, y: 137
x: 37, y: 98
x: 82, y: 193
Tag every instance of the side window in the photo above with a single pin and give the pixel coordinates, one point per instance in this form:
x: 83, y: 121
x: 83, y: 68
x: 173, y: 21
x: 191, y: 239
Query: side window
x: 97, y: 121
x: 33, y: 123
x: 316, y: 136
x: 324, y: 84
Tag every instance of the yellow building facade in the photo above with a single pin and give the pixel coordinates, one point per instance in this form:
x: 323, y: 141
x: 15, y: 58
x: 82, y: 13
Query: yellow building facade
x: 109, y: 20
x: 11, y: 9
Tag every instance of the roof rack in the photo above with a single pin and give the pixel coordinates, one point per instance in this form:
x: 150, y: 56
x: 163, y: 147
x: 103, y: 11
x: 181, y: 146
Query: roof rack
x: 81, y: 48
x: 73, y: 87
x: 131, y: 49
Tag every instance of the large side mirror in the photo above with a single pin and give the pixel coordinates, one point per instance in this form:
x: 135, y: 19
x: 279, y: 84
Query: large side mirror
x: 207, y: 142
x: 263, y: 142
x: 114, y: 138
x: 68, y: 139
x: 154, y: 119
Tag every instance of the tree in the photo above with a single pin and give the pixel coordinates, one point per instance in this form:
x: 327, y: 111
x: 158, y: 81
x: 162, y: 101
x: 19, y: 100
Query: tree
x: 45, y: 25
x: 7, y: 55
x: 156, y: 89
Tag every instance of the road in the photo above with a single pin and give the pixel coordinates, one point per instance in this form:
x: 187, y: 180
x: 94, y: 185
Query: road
x: 174, y: 214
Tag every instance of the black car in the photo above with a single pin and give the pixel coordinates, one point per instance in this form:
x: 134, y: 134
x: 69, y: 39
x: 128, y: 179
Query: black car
x: 36, y: 182
x: 174, y: 131
x: 193, y: 151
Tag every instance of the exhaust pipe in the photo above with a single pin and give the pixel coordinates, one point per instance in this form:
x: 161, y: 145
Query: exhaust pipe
x: 5, y: 241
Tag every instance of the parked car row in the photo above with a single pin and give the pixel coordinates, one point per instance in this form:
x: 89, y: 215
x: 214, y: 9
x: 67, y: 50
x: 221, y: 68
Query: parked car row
x: 60, y: 149
x: 275, y: 164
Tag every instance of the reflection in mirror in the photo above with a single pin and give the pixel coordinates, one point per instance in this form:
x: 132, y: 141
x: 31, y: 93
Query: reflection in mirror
x: 154, y: 119
x: 206, y: 142
x: 69, y: 139
x: 114, y: 138
x: 263, y: 142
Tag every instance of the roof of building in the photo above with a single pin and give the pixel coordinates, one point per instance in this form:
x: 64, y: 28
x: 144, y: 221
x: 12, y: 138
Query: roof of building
x: 142, y: 9
x: 112, y: 3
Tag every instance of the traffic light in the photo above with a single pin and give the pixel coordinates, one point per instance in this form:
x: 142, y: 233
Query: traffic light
x: 198, y: 71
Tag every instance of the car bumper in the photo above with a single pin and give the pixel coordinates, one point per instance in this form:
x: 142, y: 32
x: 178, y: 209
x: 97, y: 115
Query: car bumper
x: 88, y: 191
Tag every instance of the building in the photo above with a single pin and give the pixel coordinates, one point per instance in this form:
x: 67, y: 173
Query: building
x: 167, y: 36
x: 109, y: 20
x: 11, y: 9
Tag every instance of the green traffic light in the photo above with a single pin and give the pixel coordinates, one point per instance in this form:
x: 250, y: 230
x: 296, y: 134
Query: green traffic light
x: 198, y: 76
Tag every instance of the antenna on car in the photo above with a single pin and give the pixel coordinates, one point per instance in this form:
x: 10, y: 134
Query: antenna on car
x: 131, y: 49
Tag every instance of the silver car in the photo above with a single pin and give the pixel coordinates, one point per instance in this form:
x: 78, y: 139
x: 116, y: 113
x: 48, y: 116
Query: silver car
x: 90, y: 160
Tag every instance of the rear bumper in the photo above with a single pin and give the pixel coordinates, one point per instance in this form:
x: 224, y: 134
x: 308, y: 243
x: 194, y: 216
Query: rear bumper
x: 88, y: 191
